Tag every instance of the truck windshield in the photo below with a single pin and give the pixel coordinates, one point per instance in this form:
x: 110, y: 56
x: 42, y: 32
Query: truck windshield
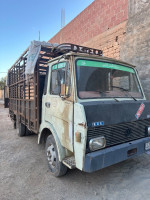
x: 97, y: 79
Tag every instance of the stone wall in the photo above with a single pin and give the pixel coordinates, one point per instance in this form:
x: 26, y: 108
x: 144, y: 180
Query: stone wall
x: 135, y: 48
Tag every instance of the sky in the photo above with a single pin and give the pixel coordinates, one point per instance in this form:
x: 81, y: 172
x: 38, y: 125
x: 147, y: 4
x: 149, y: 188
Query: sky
x: 21, y: 21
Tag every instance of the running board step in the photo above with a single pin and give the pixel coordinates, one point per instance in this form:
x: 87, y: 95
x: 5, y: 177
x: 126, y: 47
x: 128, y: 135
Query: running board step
x: 69, y: 162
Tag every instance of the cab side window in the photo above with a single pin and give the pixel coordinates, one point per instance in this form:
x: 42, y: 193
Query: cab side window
x: 57, y: 78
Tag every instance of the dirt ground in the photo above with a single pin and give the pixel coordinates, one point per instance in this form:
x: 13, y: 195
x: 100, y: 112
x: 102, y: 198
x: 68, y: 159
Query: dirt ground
x: 24, y: 173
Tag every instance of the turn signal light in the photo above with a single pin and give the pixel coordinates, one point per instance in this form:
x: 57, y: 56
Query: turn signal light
x: 78, y: 136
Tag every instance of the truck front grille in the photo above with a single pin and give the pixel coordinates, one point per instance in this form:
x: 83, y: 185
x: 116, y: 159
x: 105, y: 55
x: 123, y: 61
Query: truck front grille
x: 119, y: 133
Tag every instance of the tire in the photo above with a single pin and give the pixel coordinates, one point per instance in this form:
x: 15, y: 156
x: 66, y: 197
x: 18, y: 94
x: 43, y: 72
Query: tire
x: 57, y: 168
x: 28, y: 132
x: 14, y: 125
x: 22, y: 130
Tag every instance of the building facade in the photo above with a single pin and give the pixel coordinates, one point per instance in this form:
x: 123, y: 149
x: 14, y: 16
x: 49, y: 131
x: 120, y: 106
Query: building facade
x: 121, y: 28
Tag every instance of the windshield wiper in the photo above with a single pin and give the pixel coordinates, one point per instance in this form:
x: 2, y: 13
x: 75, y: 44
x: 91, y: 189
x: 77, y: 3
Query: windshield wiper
x: 125, y: 90
x: 103, y: 92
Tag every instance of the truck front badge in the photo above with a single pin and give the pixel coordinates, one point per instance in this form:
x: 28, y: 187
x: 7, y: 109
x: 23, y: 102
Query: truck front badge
x: 140, y: 111
x: 98, y: 124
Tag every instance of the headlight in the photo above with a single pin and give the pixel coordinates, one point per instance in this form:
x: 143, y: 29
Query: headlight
x: 97, y: 143
x: 148, y: 130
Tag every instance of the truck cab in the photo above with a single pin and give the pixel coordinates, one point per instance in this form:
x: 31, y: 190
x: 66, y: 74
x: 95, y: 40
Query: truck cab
x: 94, y: 113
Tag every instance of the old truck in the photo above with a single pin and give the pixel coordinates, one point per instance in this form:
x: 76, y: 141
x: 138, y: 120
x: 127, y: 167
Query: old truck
x: 89, y: 110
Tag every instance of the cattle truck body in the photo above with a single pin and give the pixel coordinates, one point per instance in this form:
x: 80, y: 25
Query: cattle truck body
x: 90, y: 110
x: 25, y: 94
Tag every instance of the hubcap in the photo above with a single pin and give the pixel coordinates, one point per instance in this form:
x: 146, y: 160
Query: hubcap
x: 51, y: 155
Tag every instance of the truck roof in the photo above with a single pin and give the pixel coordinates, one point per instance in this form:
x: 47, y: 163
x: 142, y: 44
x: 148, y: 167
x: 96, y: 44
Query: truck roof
x: 49, y: 52
x: 97, y: 57
x: 78, y: 50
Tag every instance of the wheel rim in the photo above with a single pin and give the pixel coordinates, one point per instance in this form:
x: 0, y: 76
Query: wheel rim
x: 51, y: 155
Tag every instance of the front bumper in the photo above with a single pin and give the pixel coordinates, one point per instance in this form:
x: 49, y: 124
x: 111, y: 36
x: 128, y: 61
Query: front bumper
x: 112, y: 155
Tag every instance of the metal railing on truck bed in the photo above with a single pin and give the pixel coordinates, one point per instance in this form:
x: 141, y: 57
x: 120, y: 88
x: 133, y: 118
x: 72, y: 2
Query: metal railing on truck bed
x: 25, y: 94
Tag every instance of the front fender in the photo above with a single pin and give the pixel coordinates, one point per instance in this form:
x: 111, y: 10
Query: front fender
x: 60, y: 148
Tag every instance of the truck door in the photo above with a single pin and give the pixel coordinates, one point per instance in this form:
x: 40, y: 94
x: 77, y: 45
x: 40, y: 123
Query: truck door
x: 59, y: 110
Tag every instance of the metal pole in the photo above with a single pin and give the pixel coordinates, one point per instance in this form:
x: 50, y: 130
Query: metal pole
x: 39, y: 35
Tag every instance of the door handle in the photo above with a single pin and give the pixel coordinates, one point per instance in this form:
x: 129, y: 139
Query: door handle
x: 47, y: 104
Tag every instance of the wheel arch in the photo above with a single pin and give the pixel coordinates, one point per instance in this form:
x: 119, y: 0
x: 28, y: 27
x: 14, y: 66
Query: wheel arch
x: 47, y: 129
x: 44, y: 134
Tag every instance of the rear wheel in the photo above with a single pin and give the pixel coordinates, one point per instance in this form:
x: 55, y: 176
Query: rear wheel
x: 22, y: 130
x: 28, y: 132
x: 57, y: 168
x: 14, y: 125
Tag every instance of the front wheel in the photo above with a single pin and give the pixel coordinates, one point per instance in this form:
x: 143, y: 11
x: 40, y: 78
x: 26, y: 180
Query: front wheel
x: 57, y: 168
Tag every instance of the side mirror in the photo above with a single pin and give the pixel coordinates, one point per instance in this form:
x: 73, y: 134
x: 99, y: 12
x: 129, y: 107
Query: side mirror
x: 62, y: 90
x: 64, y: 82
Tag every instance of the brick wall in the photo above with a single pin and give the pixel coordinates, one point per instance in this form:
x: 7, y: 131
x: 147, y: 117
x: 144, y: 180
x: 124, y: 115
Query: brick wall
x: 97, y: 18
x: 121, y: 28
x: 109, y: 41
